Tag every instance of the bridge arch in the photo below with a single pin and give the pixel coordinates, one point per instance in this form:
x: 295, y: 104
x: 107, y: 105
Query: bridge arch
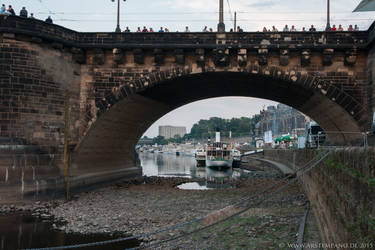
x: 125, y: 114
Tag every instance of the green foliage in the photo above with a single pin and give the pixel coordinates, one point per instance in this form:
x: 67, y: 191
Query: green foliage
x: 372, y: 182
x: 160, y: 140
x: 177, y: 139
x: 243, y: 126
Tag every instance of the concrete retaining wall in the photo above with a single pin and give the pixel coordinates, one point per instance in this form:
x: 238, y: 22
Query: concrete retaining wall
x: 341, y: 190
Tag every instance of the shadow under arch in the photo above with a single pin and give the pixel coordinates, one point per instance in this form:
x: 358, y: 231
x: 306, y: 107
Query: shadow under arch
x: 125, y: 114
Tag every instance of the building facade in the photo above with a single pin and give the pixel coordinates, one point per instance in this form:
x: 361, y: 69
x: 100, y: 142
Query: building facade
x: 280, y: 119
x: 171, y: 131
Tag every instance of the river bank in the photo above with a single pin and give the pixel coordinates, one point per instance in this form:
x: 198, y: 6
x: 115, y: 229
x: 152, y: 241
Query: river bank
x: 133, y: 208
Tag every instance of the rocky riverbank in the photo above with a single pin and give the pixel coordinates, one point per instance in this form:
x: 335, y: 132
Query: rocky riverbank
x: 133, y: 208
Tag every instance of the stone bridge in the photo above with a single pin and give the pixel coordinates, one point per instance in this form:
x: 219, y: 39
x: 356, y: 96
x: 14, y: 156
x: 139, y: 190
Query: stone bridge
x: 115, y: 85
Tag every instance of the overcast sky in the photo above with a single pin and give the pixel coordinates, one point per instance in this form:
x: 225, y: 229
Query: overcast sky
x: 252, y: 15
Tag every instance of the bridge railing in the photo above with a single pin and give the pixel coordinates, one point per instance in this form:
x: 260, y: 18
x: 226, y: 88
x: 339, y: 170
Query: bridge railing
x: 347, y: 139
x: 52, y: 32
x: 37, y: 28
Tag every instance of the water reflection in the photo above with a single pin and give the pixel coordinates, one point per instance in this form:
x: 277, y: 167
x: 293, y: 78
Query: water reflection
x: 19, y: 231
x: 156, y: 164
x: 170, y: 165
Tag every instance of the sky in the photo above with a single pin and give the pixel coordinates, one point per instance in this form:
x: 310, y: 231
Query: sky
x: 252, y: 15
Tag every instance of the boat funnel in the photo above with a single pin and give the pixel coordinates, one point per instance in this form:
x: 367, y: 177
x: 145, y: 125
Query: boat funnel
x: 217, y: 135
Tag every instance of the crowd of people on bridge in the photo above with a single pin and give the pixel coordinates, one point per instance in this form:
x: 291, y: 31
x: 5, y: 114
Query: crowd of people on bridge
x: 24, y: 13
x: 312, y: 28
x: 239, y: 29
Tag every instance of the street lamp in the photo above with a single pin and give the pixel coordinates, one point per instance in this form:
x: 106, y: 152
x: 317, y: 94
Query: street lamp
x: 118, y: 15
x: 221, y: 25
x: 328, y: 27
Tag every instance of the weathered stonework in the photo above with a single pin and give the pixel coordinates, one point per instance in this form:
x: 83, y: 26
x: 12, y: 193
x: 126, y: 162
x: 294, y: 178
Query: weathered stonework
x: 341, y: 190
x: 284, y: 57
x: 119, y: 84
x: 305, y: 58
x: 118, y: 56
x: 328, y: 57
x: 262, y: 57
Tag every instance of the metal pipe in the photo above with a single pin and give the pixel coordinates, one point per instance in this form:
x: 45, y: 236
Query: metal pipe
x: 328, y: 27
x: 221, y: 25
x: 221, y: 11
x: 118, y: 17
x: 235, y: 21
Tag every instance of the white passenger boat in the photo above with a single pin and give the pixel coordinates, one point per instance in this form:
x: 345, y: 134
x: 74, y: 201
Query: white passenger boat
x: 219, y: 154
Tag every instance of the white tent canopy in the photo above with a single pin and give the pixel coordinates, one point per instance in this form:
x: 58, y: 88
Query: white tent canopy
x: 365, y: 5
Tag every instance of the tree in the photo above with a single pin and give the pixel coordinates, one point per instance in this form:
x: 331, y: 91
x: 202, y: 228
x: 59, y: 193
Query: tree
x: 243, y: 126
x: 160, y: 140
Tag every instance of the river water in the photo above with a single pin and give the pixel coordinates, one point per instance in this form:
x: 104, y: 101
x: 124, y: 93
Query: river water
x: 171, y: 165
x: 21, y: 230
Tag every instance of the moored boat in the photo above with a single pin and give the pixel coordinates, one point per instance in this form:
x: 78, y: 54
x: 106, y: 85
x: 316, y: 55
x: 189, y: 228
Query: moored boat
x: 219, y: 154
x: 236, y: 158
x: 200, y: 157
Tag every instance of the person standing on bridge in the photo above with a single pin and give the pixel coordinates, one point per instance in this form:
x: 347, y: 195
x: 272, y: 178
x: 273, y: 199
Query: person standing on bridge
x: 49, y: 20
x: 286, y: 28
x: 11, y: 10
x: 205, y: 29
x: 187, y: 29
x: 3, y: 10
x: 144, y: 29
x: 23, y: 12
x: 161, y: 29
x: 127, y: 29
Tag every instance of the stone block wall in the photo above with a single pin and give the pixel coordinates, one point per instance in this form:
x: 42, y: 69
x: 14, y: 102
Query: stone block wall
x: 34, y: 80
x: 341, y: 190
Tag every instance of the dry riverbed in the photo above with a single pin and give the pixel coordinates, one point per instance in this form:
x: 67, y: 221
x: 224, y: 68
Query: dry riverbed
x: 131, y: 208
